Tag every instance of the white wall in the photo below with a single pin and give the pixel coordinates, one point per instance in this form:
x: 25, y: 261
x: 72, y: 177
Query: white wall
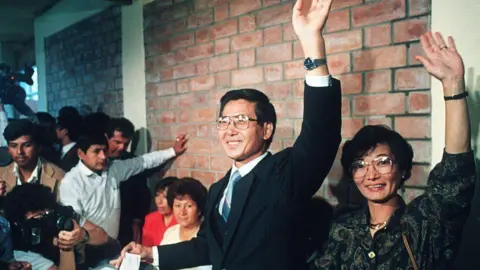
x: 462, y: 22
x: 62, y: 15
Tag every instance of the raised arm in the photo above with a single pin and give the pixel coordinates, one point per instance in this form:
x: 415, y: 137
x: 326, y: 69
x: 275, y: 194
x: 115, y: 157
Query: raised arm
x: 314, y: 150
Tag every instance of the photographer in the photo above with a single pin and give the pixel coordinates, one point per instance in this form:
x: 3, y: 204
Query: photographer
x: 36, y: 221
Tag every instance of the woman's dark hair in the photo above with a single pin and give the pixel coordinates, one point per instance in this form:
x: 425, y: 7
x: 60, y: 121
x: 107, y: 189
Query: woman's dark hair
x: 27, y: 198
x: 264, y: 110
x: 368, y: 138
x: 191, y: 187
x: 165, y: 183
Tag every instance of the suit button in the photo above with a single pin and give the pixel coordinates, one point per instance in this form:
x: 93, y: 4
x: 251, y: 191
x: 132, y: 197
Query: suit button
x: 371, y: 254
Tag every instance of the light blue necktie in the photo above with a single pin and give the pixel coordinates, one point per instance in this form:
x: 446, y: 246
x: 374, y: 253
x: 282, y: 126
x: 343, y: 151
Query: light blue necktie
x: 227, y: 203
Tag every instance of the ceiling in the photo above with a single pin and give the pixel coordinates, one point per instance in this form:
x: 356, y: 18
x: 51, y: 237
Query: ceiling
x: 17, y: 17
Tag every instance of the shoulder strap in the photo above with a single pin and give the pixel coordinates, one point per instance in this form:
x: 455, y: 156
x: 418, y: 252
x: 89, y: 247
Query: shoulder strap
x: 410, y: 254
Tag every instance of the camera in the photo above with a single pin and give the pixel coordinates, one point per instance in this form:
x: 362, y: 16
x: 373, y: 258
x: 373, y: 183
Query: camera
x: 12, y: 93
x: 37, y: 233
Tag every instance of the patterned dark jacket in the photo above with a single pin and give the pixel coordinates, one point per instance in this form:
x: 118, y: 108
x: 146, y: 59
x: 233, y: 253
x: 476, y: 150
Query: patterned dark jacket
x: 433, y: 225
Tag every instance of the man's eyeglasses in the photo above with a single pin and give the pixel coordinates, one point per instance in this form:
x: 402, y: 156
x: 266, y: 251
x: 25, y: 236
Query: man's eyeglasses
x: 239, y: 121
x: 382, y: 164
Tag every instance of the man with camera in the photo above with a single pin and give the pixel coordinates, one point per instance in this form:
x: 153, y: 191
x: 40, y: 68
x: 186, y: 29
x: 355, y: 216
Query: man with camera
x: 37, y: 222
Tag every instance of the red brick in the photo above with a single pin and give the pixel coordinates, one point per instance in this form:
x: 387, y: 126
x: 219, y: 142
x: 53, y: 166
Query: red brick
x: 202, y: 35
x: 181, y: 173
x: 224, y: 29
x: 350, y: 126
x: 165, y: 75
x: 297, y: 50
x: 220, y: 163
x: 184, y: 101
x: 202, y: 83
x: 183, y: 86
x: 351, y: 83
x: 207, y: 178
x: 294, y: 109
x: 378, y: 81
x: 419, y: 102
x: 195, y: 52
x: 161, y: 89
x: 417, y: 7
x: 202, y: 67
x: 280, y: 109
x: 378, y: 35
x: 183, y: 116
x: 182, y: 41
x: 278, y: 91
x: 222, y: 46
x: 224, y: 62
x: 413, y: 127
x: 167, y: 117
x: 284, y: 129
x: 202, y: 99
x: 288, y: 32
x: 201, y: 4
x: 189, y: 129
x: 337, y: 4
x: 272, y: 34
x: 381, y: 11
x: 345, y: 106
x: 246, y: 58
x: 157, y: 48
x: 338, y: 63
x: 222, y: 79
x: 422, y: 151
x: 338, y: 20
x: 247, y: 40
x: 185, y: 161
x: 204, y: 115
x: 248, y: 76
x: 201, y: 146
x: 182, y: 71
x: 274, y: 53
x: 267, y: 3
x: 419, y: 176
x: 244, y: 6
x: 274, y: 15
x: 378, y: 58
x: 412, y: 78
x: 344, y: 41
x: 200, y: 19
x: 221, y: 12
x: 294, y: 70
x: 379, y: 104
x: 411, y: 193
x: 247, y: 23
x: 410, y: 29
x: 415, y: 49
x: 273, y: 73
x: 164, y: 60
x: 382, y: 120
x: 208, y: 130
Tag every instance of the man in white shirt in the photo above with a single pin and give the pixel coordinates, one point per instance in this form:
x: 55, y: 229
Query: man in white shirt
x: 92, y: 187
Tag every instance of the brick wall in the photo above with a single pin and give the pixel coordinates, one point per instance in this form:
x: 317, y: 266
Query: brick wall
x: 84, y: 64
x: 197, y: 50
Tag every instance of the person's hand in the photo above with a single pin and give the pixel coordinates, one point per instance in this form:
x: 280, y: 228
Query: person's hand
x: 133, y: 248
x: 3, y: 188
x: 67, y: 240
x: 441, y: 61
x: 180, y: 143
x: 308, y: 22
x: 19, y: 266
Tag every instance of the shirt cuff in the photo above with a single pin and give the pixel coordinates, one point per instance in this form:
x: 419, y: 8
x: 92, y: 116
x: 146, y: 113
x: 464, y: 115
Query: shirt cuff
x: 318, y: 81
x: 155, y: 257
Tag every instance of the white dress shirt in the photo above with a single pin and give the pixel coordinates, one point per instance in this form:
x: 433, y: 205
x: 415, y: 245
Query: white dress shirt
x: 34, y: 177
x: 97, y: 197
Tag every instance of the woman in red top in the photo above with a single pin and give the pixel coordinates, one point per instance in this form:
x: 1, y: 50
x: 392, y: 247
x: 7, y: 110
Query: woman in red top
x: 156, y: 223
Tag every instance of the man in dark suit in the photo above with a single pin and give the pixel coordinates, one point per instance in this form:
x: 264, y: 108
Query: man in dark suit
x: 68, y: 128
x: 252, y: 214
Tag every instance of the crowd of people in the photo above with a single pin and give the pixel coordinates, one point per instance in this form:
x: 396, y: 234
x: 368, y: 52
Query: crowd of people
x: 87, y: 204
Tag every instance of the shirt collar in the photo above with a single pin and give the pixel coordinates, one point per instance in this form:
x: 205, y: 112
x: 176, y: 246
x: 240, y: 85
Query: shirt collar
x: 245, y: 169
x: 35, y: 173
x: 67, y: 148
x: 85, y: 170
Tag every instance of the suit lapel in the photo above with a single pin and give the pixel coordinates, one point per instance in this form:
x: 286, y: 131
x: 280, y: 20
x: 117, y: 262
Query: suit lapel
x: 215, y: 195
x: 47, y: 177
x: 239, y: 197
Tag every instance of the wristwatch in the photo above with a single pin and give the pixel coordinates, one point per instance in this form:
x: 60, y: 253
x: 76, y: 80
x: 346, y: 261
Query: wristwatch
x: 311, y: 64
x: 86, y: 237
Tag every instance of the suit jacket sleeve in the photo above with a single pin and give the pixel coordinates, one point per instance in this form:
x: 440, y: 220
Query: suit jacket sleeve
x: 184, y: 254
x: 315, y: 148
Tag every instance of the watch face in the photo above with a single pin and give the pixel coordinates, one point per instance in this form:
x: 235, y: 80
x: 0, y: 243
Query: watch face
x: 308, y: 64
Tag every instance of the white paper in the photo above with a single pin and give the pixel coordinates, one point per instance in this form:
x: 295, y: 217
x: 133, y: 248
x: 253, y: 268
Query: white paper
x: 130, y: 262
